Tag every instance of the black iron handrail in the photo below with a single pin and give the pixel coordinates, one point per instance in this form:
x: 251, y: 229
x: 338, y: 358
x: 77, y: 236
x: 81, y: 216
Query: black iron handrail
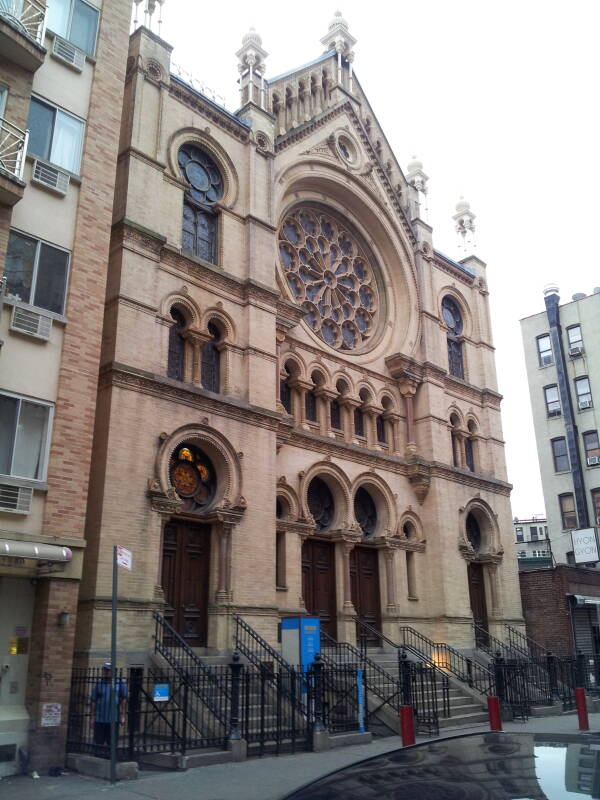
x: 524, y: 644
x: 491, y: 645
x: 180, y: 656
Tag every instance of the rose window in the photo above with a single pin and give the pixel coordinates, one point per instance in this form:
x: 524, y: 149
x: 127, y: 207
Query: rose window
x: 330, y: 276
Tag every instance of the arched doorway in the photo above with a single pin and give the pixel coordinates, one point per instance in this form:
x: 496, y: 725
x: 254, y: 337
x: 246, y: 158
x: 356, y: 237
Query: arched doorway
x: 475, y: 572
x: 364, y: 567
x: 318, y: 559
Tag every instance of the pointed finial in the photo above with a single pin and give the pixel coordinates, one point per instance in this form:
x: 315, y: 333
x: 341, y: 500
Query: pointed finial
x: 465, y: 225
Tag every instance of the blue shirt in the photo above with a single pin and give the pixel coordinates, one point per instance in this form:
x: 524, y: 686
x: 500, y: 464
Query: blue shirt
x: 101, y: 696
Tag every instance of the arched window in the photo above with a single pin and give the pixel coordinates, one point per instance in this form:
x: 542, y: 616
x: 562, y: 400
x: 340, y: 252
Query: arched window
x: 335, y: 415
x: 381, y: 432
x: 211, y: 360
x: 290, y: 371
x: 310, y: 405
x: 453, y: 320
x: 365, y: 512
x: 473, y: 532
x: 176, y: 355
x: 456, y: 443
x: 320, y: 503
x: 193, y: 476
x: 359, y: 422
x: 471, y: 447
x: 199, y: 231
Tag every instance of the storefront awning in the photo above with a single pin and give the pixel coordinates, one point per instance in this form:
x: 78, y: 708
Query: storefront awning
x: 585, y: 600
x: 40, y: 552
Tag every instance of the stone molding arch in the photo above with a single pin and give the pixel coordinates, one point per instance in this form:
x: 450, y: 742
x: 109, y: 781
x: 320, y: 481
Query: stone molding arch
x: 340, y: 487
x: 214, y: 313
x: 461, y: 301
x: 410, y: 516
x: 340, y: 375
x: 394, y: 401
x: 491, y: 549
x: 184, y: 301
x: 315, y: 366
x: 368, y: 387
x: 206, y: 142
x: 290, y: 496
x: 226, y: 461
x: 384, y: 499
x: 452, y: 410
x: 288, y: 355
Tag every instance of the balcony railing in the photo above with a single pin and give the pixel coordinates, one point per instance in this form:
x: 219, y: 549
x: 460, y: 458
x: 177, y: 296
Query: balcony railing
x: 13, y: 146
x: 26, y: 15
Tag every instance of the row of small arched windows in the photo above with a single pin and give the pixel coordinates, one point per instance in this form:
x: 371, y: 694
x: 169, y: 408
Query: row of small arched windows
x: 178, y: 356
x: 464, y: 444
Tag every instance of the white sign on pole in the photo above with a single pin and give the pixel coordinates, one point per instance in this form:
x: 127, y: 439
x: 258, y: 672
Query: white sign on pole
x: 585, y: 545
x: 123, y: 557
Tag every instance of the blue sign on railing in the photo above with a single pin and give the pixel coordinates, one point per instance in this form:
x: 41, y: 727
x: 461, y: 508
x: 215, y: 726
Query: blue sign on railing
x: 160, y: 692
x: 360, y: 700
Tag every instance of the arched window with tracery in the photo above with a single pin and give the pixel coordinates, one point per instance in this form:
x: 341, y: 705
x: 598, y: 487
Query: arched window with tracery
x: 454, y: 322
x: 205, y: 188
x: 365, y: 512
x: 176, y: 355
x: 211, y: 360
x: 320, y: 503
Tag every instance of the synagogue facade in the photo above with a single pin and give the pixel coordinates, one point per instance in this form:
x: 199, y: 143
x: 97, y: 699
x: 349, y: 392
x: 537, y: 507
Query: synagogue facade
x: 297, y: 409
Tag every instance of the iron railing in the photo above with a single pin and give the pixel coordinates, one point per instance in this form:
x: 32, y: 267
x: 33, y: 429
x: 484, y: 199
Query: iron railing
x: 13, y: 146
x: 446, y: 658
x: 491, y: 645
x: 204, y: 680
x: 28, y: 16
x: 524, y: 644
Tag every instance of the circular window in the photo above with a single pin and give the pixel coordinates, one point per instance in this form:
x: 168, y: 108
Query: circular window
x: 347, y: 149
x: 365, y: 512
x: 202, y: 174
x: 193, y: 476
x: 330, y: 276
x: 320, y: 503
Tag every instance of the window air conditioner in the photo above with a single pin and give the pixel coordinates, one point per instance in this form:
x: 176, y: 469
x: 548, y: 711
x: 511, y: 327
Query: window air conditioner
x: 31, y: 323
x: 68, y: 53
x: 585, y: 404
x: 15, y: 499
x: 575, y: 352
x: 593, y: 461
x: 51, y: 177
x: 547, y: 359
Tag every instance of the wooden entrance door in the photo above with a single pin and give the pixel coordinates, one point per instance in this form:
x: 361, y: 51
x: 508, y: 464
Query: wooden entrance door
x: 185, y: 570
x: 318, y: 583
x: 478, y: 606
x: 364, y: 581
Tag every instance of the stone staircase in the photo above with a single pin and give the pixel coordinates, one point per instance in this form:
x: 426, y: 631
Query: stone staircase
x: 465, y: 707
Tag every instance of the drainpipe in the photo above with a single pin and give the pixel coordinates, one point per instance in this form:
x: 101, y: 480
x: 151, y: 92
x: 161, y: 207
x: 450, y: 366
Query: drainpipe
x: 552, y: 299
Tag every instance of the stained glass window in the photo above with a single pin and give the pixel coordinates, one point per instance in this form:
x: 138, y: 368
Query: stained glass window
x: 453, y: 319
x: 205, y: 188
x: 365, y: 512
x: 320, y: 503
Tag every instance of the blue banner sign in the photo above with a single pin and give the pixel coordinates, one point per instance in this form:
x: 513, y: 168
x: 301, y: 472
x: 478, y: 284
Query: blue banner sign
x: 160, y: 692
x: 360, y: 700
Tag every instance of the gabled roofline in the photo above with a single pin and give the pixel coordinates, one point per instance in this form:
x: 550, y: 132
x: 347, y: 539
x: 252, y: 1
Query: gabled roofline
x: 211, y: 103
x: 455, y: 264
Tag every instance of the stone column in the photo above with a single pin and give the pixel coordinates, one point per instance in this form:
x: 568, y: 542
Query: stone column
x: 390, y: 579
x: 324, y: 398
x: 194, y: 357
x: 393, y: 422
x: 222, y: 594
x: 348, y: 547
x: 300, y: 387
x: 347, y: 406
x: 492, y: 573
x: 408, y: 389
x: 370, y: 412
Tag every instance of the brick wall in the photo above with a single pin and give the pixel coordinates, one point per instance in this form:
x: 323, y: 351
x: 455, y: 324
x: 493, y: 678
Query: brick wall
x: 546, y: 606
x: 49, y: 676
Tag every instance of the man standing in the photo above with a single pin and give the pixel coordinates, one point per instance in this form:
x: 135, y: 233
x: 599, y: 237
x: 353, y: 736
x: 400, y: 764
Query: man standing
x: 102, y: 713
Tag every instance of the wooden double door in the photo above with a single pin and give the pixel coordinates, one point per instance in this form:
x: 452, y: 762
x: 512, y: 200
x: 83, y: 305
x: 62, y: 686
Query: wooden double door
x: 364, y: 582
x: 185, y: 575
x: 318, y: 583
x: 478, y: 605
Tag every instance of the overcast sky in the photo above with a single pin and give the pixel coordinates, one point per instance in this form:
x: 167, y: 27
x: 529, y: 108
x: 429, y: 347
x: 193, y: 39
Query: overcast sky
x: 499, y: 101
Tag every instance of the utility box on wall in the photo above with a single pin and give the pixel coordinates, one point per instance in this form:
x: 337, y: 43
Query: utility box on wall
x: 300, y: 640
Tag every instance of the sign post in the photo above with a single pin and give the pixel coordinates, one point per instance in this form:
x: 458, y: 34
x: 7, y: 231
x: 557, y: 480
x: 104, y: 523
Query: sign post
x: 121, y: 557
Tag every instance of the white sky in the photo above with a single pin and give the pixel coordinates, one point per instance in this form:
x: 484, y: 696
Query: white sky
x: 499, y: 101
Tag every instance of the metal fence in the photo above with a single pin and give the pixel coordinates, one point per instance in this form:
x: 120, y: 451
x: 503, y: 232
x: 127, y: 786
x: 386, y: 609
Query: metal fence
x: 162, y: 711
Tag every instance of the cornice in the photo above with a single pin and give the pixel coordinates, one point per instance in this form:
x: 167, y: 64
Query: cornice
x: 130, y: 378
x: 457, y: 475
x: 209, y: 110
x: 455, y: 272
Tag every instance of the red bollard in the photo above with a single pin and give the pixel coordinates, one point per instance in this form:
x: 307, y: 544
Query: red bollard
x: 407, y: 725
x: 582, y: 714
x: 494, y: 714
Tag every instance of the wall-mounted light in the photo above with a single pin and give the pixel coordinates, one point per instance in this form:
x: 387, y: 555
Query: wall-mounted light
x: 62, y: 619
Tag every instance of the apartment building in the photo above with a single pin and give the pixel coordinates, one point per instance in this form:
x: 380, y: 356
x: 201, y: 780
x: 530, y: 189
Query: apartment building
x: 61, y: 83
x: 532, y: 544
x: 562, y: 348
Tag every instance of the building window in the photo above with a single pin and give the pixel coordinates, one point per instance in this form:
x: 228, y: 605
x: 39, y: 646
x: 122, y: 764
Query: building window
x: 3, y: 97
x: 359, y: 422
x: 176, y: 356
x: 285, y: 390
x: 453, y: 320
x: 592, y: 448
x: 519, y: 534
x: 335, y: 415
x: 310, y: 405
x: 544, y: 348
x: 533, y: 533
x: 567, y: 511
x: 211, y: 360
x: 575, y: 340
x: 75, y: 21
x: 54, y: 135
x: 411, y: 577
x: 205, y: 188
x: 24, y: 434
x: 381, y: 432
x: 193, y: 476
x: 365, y: 512
x: 320, y: 503
x: 36, y: 272
x: 280, y: 577
x: 596, y: 505
x: 560, y: 454
x: 584, y: 393
x: 552, y: 401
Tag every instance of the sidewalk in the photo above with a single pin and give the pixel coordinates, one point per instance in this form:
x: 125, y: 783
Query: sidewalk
x: 268, y: 778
